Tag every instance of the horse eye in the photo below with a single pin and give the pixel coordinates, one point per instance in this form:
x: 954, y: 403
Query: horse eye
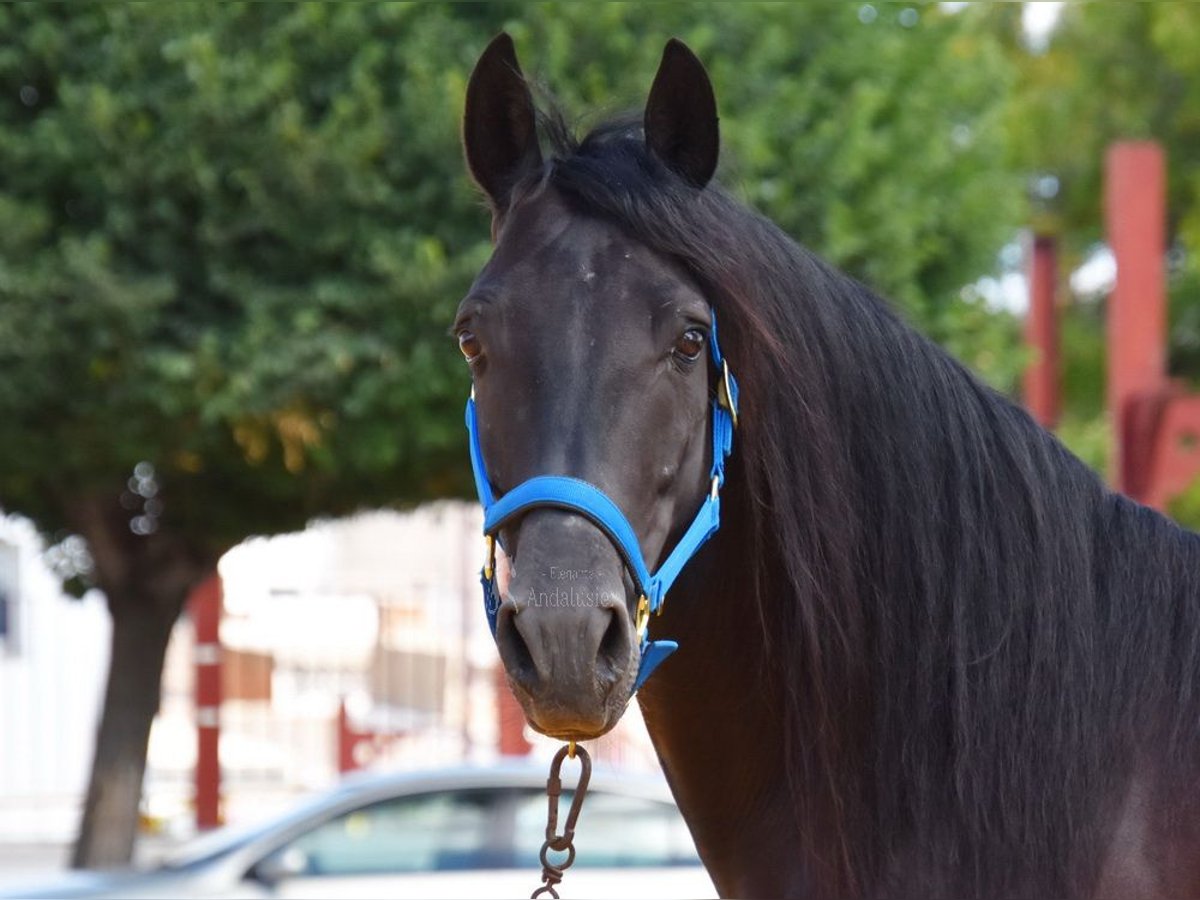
x: 690, y: 345
x: 469, y: 345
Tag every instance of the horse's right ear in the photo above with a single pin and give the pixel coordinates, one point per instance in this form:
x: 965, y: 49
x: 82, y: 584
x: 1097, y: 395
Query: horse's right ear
x: 681, y: 115
x: 499, y: 124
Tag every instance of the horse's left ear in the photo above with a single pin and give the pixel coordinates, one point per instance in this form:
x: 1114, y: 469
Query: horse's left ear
x: 681, y: 115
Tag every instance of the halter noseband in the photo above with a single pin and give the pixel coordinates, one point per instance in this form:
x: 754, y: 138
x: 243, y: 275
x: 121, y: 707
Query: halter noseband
x: 562, y: 492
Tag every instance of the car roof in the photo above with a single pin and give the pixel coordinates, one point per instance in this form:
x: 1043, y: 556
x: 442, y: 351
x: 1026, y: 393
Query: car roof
x: 504, y: 774
x: 362, y: 788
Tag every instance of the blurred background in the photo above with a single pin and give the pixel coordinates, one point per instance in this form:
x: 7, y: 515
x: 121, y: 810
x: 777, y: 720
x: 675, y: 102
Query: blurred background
x: 236, y: 560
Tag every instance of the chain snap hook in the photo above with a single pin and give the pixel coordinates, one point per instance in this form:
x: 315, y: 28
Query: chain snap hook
x: 552, y: 873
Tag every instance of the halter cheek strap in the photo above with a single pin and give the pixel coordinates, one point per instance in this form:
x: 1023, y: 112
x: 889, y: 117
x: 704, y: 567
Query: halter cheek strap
x: 576, y: 495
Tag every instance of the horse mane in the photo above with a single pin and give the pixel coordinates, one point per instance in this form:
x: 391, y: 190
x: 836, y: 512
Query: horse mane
x: 977, y: 640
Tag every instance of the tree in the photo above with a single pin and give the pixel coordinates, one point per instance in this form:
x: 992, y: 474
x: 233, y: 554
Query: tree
x: 232, y: 237
x: 230, y: 241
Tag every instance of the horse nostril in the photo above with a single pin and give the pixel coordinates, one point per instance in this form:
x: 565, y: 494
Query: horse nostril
x: 612, y: 656
x: 514, y: 651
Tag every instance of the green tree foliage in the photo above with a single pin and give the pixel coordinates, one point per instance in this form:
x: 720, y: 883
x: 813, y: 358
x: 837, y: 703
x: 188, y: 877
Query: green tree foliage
x: 1111, y: 72
x: 232, y: 237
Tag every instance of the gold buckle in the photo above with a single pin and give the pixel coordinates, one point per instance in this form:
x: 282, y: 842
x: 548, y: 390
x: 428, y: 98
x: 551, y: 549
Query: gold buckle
x: 490, y: 566
x: 725, y: 394
x: 642, y: 617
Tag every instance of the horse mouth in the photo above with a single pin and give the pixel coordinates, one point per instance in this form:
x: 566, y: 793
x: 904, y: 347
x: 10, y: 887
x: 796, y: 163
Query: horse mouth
x: 573, y: 735
x: 568, y: 722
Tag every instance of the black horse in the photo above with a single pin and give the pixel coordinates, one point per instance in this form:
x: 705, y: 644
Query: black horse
x: 927, y: 654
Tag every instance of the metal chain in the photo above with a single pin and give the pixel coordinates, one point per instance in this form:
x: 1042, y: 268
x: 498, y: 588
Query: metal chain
x: 552, y: 873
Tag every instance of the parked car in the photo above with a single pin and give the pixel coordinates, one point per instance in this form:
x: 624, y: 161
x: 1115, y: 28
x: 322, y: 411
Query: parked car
x: 471, y: 832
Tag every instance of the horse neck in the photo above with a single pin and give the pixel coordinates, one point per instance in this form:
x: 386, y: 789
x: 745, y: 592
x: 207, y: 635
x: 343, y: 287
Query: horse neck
x: 713, y: 712
x: 716, y: 712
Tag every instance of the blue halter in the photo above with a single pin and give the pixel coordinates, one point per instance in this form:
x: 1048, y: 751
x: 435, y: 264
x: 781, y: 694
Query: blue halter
x: 562, y: 492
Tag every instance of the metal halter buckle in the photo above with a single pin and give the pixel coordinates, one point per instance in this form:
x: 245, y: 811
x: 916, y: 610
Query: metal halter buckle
x: 489, y: 567
x: 642, y: 617
x: 725, y: 393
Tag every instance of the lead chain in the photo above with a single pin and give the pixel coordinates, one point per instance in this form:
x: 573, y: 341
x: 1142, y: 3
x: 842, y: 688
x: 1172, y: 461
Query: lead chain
x: 552, y: 873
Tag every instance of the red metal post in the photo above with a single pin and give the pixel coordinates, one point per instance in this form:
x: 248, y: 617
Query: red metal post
x: 1174, y: 461
x: 204, y: 606
x: 508, y: 711
x: 512, y: 718
x: 357, y: 749
x: 1135, y: 210
x: 1041, y: 332
x: 348, y: 742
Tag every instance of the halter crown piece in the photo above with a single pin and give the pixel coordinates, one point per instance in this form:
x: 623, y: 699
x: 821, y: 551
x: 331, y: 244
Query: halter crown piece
x: 562, y: 492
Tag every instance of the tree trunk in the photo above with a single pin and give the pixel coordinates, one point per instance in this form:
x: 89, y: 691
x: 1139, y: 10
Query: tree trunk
x: 141, y: 629
x: 146, y: 580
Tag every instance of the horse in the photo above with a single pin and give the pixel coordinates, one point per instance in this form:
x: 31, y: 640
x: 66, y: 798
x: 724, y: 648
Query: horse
x: 927, y: 652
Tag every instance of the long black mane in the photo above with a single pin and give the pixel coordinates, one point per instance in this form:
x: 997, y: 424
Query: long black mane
x: 977, y: 638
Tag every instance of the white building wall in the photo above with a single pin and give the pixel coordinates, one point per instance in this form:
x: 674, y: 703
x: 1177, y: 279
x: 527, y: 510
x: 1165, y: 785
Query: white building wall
x: 52, y: 670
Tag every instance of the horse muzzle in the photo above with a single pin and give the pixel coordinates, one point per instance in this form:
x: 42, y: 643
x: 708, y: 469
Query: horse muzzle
x: 564, y: 629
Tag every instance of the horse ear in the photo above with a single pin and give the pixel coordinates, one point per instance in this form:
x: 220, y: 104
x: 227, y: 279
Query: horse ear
x: 499, y: 123
x: 681, y: 115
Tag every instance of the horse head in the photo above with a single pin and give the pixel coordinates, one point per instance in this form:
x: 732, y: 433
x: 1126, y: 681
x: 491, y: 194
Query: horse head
x: 592, y: 361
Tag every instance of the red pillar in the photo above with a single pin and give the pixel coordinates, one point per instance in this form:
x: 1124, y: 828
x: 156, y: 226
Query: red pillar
x: 345, y: 741
x: 349, y: 740
x: 204, y: 606
x: 1041, y: 332
x: 1135, y: 211
x: 512, y: 718
x: 508, y: 711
